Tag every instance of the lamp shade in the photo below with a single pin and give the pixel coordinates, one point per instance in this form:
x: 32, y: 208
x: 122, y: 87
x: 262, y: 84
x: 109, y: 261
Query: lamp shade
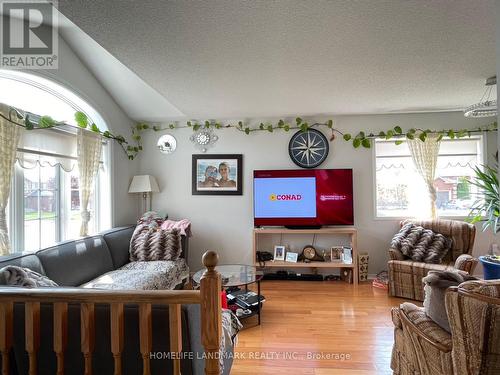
x: 143, y: 184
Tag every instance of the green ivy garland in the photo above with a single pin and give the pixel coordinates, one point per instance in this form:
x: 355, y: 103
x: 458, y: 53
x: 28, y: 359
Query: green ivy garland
x: 361, y: 139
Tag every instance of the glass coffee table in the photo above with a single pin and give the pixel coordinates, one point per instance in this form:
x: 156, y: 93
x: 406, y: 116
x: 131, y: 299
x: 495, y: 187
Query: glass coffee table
x: 237, y: 275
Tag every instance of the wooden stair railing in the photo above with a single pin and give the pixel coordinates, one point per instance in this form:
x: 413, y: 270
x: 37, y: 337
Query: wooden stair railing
x: 208, y: 297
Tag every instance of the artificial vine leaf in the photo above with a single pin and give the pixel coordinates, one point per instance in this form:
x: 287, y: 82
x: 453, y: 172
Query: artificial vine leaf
x: 304, y: 127
x: 451, y: 134
x: 217, y: 125
x: 156, y: 128
x: 361, y: 135
x: 389, y: 134
x: 366, y: 143
x: 171, y: 126
x: 81, y: 119
x: 281, y: 123
x: 207, y: 124
x: 298, y: 120
x: 347, y: 137
x: 46, y: 122
x: 381, y: 134
x: 95, y: 129
x: 196, y: 127
x: 106, y: 134
x: 422, y: 136
x: 397, y: 143
x: 29, y: 125
x: 240, y: 124
x: 330, y: 124
x: 410, y: 135
x: 247, y: 130
x: 286, y: 127
x: 261, y: 126
x: 356, y: 142
x: 438, y: 139
x: 270, y: 128
x: 398, y: 130
x: 189, y: 123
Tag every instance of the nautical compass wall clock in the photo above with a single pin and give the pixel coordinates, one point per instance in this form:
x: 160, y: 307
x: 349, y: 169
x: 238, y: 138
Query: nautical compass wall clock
x: 308, y: 149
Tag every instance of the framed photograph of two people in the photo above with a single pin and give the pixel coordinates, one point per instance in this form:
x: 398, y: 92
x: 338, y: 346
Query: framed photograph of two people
x: 217, y: 174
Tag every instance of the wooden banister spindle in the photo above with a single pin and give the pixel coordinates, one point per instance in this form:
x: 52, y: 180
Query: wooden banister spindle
x: 117, y: 335
x: 6, y: 324
x: 87, y: 334
x: 145, y: 336
x: 175, y: 335
x: 32, y: 332
x: 60, y: 333
x: 211, y: 326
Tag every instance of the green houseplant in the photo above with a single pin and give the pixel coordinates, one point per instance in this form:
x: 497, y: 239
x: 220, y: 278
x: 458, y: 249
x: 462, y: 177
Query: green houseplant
x: 487, y: 210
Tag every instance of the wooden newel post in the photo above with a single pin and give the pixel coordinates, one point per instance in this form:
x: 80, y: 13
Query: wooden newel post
x: 211, y: 326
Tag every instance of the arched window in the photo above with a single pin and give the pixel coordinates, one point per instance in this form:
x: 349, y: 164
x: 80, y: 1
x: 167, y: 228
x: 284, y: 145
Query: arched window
x: 44, y: 206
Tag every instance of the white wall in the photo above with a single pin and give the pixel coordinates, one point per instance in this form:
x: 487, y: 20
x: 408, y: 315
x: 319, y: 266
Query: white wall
x: 224, y: 223
x: 73, y: 74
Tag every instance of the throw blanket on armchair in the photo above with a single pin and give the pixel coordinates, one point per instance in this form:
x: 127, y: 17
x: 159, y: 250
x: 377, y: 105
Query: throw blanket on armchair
x: 420, y: 244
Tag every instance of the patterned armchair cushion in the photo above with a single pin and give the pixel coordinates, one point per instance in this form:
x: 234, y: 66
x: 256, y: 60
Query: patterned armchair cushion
x: 417, y: 316
x: 489, y: 288
x: 150, y: 275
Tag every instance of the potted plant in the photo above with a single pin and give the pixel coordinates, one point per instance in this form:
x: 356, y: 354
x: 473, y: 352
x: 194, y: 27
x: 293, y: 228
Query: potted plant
x: 487, y: 210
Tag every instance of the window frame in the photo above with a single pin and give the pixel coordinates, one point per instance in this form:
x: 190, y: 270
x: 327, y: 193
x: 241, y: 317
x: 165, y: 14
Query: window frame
x: 484, y: 152
x: 103, y: 216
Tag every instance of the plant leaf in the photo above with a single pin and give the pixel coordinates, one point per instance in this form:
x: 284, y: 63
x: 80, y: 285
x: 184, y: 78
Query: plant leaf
x: 356, y: 142
x: 46, y: 122
x: 81, y: 119
x: 397, y: 143
x: 95, y: 129
x: 347, y: 137
x: 398, y: 130
x: 366, y: 143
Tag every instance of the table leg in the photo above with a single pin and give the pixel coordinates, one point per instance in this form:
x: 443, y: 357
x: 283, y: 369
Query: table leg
x: 258, y: 300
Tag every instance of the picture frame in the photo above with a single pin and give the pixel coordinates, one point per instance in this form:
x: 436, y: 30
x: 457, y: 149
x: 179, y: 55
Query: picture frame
x: 206, y: 174
x: 291, y: 257
x: 336, y: 254
x: 279, y: 252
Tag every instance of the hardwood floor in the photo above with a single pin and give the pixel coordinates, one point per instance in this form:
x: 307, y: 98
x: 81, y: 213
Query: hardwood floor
x: 302, y: 320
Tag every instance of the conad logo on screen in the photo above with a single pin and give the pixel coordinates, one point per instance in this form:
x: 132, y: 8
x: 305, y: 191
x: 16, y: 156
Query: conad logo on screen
x: 285, y: 197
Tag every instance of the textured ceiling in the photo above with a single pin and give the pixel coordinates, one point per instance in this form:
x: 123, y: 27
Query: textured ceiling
x: 226, y: 59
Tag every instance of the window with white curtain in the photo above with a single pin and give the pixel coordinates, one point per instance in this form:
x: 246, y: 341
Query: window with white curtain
x: 44, y: 204
x: 401, y: 192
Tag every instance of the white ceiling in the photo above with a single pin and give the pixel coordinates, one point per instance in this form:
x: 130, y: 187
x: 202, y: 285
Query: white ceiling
x: 261, y: 58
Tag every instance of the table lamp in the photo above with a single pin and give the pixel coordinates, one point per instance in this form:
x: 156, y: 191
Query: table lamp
x: 146, y: 185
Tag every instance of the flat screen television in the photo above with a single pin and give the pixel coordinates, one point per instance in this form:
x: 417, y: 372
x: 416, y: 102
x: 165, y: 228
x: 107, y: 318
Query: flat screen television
x: 303, y: 198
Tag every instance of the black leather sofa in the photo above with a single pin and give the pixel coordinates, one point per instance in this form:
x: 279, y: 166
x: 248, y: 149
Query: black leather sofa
x: 73, y: 263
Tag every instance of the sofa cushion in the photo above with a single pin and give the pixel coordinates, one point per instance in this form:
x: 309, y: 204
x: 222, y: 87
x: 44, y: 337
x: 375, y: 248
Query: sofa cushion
x: 73, y: 263
x: 118, y: 241
x: 19, y: 276
x: 30, y: 261
x: 153, y: 275
x: 155, y: 244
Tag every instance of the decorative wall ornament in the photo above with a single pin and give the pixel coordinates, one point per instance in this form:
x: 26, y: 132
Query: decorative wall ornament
x: 204, y: 139
x: 308, y: 149
x: 167, y: 144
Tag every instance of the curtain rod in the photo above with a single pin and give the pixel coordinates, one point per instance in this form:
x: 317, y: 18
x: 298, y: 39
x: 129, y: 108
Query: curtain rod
x: 51, y: 154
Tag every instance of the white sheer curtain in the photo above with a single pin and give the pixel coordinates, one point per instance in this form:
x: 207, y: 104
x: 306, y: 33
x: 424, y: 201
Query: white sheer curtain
x: 9, y: 139
x: 89, y: 155
x: 424, y: 156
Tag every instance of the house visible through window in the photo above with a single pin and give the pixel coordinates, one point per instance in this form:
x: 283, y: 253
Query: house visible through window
x: 44, y: 204
x: 400, y: 191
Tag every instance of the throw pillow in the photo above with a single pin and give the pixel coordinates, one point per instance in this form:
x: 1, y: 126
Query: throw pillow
x: 19, y: 276
x: 436, y: 283
x: 153, y: 243
x: 420, y: 244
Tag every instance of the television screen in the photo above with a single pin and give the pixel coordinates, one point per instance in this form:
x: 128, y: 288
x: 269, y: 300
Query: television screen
x: 313, y: 197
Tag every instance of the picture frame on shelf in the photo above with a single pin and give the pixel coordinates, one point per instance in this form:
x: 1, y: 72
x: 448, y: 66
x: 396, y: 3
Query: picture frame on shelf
x: 279, y: 252
x: 347, y: 254
x: 291, y: 257
x: 336, y: 253
x: 217, y: 174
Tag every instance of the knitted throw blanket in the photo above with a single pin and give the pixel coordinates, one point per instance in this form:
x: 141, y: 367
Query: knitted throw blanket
x: 420, y: 244
x: 153, y: 243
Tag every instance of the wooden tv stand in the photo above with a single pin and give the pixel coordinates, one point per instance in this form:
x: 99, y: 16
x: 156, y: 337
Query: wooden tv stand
x: 350, y: 231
